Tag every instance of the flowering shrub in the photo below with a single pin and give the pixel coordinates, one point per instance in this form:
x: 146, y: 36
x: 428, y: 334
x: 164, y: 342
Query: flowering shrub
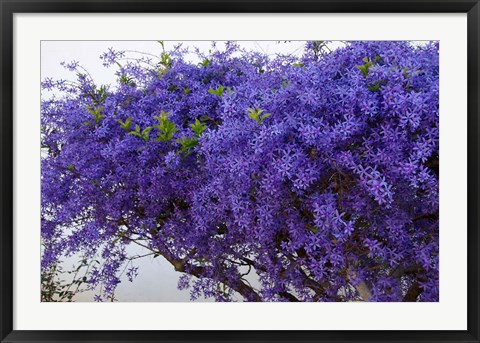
x: 281, y: 179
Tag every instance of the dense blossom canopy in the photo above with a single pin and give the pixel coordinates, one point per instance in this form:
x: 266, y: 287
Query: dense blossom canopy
x: 279, y: 179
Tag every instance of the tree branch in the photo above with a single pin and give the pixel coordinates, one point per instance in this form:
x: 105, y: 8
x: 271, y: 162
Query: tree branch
x: 413, y: 292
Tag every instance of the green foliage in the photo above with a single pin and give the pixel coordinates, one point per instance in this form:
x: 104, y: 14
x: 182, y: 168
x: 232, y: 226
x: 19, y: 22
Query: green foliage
x: 55, y: 289
x: 407, y: 73
x: 206, y: 118
x: 125, y: 125
x: 165, y: 60
x: 375, y: 87
x: 144, y: 134
x: 198, y: 127
x: 311, y: 228
x: 127, y: 80
x: 172, y: 88
x: 166, y: 127
x: 205, y: 63
x: 136, y: 132
x: 364, y: 68
x: 256, y: 114
x: 97, y: 96
x: 219, y: 91
x: 102, y: 95
x: 187, y: 143
x: 96, y: 112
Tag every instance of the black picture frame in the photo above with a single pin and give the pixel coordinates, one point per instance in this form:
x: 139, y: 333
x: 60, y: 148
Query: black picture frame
x: 9, y: 7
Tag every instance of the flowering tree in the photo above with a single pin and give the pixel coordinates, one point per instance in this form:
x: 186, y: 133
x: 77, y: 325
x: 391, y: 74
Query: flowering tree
x: 279, y: 179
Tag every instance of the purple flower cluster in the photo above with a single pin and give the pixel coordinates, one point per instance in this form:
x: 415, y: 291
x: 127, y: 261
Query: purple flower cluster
x: 279, y: 179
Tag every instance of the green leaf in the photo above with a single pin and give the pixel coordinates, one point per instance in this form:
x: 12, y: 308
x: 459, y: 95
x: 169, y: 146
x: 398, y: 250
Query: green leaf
x: 166, y: 127
x: 205, y: 63
x: 187, y: 144
x: 102, y: 92
x: 265, y: 116
x: 375, y: 87
x: 198, y: 127
x: 219, y: 91
x: 91, y: 111
x: 146, y: 133
x: 163, y: 115
x: 127, y: 80
x: 163, y: 137
x: 255, y: 114
x: 206, y: 118
x: 312, y: 228
x: 172, y: 88
x: 96, y: 113
x: 364, y: 68
x: 136, y: 132
x: 165, y: 60
x: 125, y: 125
x: 100, y: 117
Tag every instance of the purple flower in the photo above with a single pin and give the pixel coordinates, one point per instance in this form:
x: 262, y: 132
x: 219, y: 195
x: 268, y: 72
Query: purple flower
x: 300, y: 171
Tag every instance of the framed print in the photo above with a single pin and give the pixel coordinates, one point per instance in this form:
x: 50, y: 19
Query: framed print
x: 239, y: 171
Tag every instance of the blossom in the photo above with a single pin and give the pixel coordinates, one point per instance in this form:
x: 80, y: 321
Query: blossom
x: 303, y: 171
